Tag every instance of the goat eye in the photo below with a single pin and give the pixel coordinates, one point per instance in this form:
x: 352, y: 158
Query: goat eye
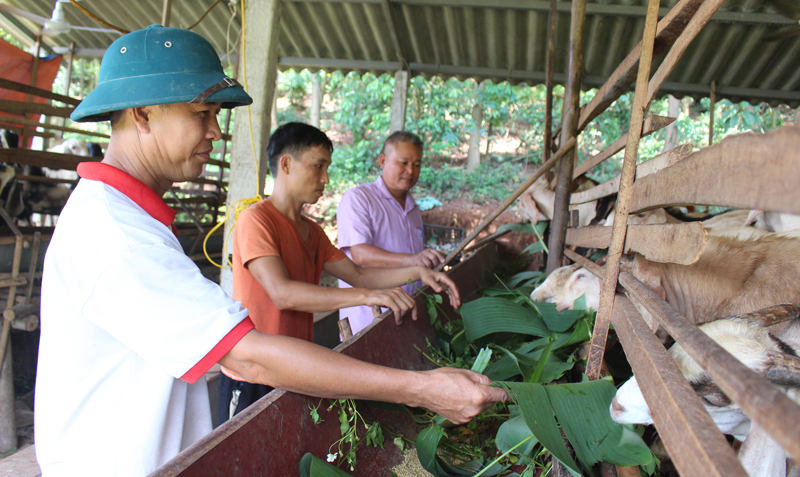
x: 581, y: 276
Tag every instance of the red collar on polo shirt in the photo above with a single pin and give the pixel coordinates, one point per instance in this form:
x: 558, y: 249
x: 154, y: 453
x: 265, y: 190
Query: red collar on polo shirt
x: 133, y: 188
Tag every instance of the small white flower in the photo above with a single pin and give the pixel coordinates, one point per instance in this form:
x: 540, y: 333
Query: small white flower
x: 332, y: 457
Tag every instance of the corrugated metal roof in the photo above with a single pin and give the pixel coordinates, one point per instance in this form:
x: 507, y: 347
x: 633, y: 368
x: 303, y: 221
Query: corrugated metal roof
x: 484, y: 39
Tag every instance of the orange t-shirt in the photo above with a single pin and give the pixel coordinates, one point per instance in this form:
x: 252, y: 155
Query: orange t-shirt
x: 262, y: 231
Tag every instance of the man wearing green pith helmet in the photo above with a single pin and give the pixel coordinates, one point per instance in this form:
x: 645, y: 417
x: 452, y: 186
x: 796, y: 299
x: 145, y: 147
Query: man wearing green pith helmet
x: 129, y: 324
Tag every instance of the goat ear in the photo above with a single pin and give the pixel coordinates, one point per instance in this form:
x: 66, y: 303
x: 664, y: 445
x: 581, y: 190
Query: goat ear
x: 785, y: 370
x: 772, y: 315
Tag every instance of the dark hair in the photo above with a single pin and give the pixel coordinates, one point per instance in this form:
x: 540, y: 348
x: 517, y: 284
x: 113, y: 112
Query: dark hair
x: 115, y: 116
x: 402, y: 136
x: 294, y: 139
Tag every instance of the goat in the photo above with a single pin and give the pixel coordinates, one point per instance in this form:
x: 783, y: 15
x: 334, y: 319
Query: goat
x: 538, y: 203
x: 766, y: 351
x: 732, y: 276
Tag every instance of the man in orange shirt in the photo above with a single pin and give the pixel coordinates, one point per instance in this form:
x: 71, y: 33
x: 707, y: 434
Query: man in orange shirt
x: 278, y: 257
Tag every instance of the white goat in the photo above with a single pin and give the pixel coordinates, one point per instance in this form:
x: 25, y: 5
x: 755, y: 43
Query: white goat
x: 749, y: 339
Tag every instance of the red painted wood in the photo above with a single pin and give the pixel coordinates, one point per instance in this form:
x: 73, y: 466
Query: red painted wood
x: 271, y: 437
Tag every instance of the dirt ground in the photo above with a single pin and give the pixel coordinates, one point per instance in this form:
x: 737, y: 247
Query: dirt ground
x: 468, y: 215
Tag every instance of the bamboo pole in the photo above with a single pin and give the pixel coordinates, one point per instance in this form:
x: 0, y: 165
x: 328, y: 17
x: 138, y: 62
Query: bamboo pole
x: 68, y: 79
x: 640, y: 104
x: 509, y: 200
x: 569, y: 128
x: 166, y: 13
x: 221, y: 176
x: 37, y: 241
x: 711, y: 113
x: 550, y: 73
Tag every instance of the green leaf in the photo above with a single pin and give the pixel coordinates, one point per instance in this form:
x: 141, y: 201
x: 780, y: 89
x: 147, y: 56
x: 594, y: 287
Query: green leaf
x: 534, y: 407
x: 558, y: 321
x: 427, y: 442
x: 535, y: 247
x: 313, y: 466
x: 520, y: 277
x: 344, y: 422
x: 482, y: 360
x: 514, y: 431
x: 492, y: 315
x: 582, y: 410
x: 400, y: 443
x: 507, y: 367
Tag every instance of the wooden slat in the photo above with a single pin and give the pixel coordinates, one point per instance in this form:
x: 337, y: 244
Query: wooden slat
x: 668, y: 30
x: 763, y: 402
x: 52, y: 160
x: 21, y: 107
x: 569, y: 129
x: 584, y: 262
x: 201, y: 180
x: 37, y: 124
x: 697, y: 22
x: 194, y: 200
x: 689, y: 434
x: 29, y: 132
x: 12, y: 282
x: 508, y: 201
x: 667, y: 243
x: 746, y: 171
x: 46, y: 180
x: 651, y: 125
x: 43, y: 93
x: 611, y: 186
x: 594, y: 361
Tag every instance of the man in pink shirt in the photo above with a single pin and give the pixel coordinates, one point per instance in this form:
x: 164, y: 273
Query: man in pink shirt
x: 380, y: 224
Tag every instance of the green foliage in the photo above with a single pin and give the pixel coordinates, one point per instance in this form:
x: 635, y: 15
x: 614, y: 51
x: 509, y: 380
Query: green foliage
x: 344, y: 449
x: 581, y: 410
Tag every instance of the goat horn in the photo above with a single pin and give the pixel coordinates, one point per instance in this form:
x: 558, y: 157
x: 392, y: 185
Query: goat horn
x: 785, y: 370
x: 771, y: 315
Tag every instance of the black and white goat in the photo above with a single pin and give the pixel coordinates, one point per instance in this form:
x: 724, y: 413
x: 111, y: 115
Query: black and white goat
x: 753, y: 341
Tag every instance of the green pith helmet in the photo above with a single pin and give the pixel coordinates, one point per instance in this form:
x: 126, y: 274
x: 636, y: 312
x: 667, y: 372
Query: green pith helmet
x: 159, y: 65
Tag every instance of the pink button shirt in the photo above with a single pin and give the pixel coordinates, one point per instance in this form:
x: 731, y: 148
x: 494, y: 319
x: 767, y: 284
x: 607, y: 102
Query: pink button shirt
x: 369, y: 214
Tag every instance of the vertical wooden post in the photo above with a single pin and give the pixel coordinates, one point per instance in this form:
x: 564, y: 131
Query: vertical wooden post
x: 398, y: 119
x: 316, y: 100
x: 8, y: 428
x: 620, y: 227
x: 711, y: 113
x: 259, y: 63
x: 166, y: 13
x: 67, y: 81
x: 274, y: 111
x: 550, y: 72
x: 34, y: 73
x: 569, y: 127
x: 474, y: 153
x: 673, y: 110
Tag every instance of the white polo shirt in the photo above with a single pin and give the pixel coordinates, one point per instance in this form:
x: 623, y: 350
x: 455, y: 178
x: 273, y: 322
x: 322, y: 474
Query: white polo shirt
x: 129, y: 325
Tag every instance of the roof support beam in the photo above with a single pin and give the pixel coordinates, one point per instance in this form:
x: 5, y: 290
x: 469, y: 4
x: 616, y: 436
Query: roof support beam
x: 533, y: 77
x: 752, y: 18
x: 19, y: 31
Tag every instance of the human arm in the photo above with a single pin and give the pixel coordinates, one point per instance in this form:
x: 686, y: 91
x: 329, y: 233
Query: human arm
x: 288, y: 294
x: 387, y: 277
x: 299, y: 366
x: 367, y: 255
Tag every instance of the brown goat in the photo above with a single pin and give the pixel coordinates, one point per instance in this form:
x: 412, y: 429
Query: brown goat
x: 732, y: 277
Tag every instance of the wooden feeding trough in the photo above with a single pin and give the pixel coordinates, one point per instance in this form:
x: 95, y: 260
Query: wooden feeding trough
x: 271, y: 436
